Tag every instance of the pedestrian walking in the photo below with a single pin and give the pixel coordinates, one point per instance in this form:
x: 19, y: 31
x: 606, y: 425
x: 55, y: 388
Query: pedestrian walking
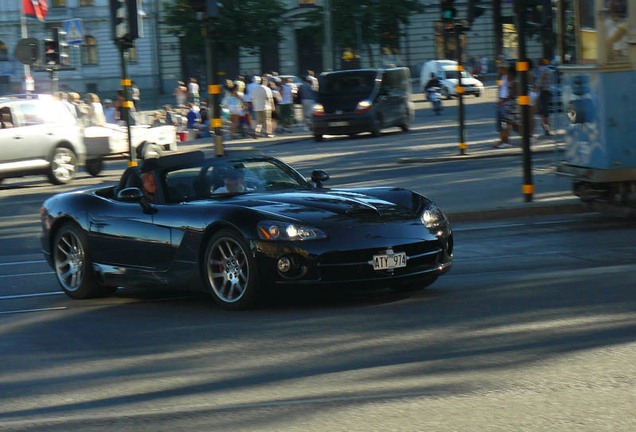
x: 307, y: 99
x: 510, y: 112
x: 544, y: 89
x: 135, y: 95
x: 262, y: 102
x: 193, y: 91
x: 180, y: 94
x: 313, y: 80
x: 286, y: 105
x: 94, y: 111
x: 109, y: 111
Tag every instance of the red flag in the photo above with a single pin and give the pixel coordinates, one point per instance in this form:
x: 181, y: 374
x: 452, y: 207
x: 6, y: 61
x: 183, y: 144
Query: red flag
x: 35, y: 8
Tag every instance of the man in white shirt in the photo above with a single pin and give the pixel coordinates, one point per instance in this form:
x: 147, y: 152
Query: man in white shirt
x: 262, y: 102
x: 247, y: 98
x: 502, y: 96
x: 286, y: 105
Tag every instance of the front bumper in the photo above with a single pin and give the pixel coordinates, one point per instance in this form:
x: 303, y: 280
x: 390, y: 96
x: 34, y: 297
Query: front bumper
x: 319, y: 263
x: 342, y: 124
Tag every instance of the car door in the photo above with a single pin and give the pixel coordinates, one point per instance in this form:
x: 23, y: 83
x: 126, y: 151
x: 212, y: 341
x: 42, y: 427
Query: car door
x: 35, y: 138
x: 14, y: 140
x: 122, y: 233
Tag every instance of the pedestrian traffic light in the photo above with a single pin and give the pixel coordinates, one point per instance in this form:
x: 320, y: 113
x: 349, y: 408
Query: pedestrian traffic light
x: 51, y: 53
x: 59, y: 36
x: 474, y: 10
x: 448, y: 10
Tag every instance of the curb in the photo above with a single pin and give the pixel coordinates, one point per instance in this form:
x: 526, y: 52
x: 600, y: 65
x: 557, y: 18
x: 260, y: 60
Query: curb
x: 485, y: 155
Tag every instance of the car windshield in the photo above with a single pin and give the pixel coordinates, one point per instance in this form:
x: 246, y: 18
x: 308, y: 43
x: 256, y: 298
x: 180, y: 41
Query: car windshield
x: 357, y: 82
x: 227, y: 177
x: 451, y: 74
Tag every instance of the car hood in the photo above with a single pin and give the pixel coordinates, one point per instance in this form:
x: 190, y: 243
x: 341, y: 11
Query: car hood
x: 323, y: 207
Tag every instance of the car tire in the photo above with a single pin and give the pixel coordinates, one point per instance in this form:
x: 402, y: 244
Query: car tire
x: 94, y: 166
x: 63, y: 166
x: 318, y: 137
x: 73, y: 266
x: 229, y: 271
x: 375, y: 128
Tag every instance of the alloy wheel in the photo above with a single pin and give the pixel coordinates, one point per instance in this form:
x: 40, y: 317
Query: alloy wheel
x: 228, y: 269
x: 69, y: 261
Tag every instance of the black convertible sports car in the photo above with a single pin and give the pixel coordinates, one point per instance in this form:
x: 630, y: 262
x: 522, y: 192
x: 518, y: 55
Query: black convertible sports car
x: 237, y: 224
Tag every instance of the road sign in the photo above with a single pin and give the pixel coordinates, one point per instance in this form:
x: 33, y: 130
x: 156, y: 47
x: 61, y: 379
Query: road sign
x: 27, y: 50
x: 74, y: 31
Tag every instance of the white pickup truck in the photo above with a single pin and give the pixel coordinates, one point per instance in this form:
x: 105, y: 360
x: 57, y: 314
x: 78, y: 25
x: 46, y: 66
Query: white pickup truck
x: 112, y: 140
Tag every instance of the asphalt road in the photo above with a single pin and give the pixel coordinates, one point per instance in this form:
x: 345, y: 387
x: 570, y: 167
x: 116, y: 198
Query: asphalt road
x: 533, y: 329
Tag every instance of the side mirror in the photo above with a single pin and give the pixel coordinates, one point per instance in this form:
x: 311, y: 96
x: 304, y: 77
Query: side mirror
x: 319, y: 177
x: 130, y: 194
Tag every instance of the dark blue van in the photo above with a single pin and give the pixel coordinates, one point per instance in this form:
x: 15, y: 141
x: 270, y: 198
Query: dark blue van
x: 362, y: 100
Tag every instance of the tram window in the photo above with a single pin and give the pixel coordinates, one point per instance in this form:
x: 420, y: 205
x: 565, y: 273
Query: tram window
x: 616, y: 29
x: 587, y: 29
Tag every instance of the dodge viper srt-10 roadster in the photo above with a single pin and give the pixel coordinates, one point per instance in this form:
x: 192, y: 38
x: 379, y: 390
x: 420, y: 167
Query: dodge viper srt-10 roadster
x: 237, y: 226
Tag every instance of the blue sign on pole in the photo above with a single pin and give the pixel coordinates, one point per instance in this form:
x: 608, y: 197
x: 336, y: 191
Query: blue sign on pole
x: 74, y: 31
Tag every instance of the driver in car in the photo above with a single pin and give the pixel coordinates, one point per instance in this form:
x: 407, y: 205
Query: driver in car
x: 233, y: 181
x: 148, y: 179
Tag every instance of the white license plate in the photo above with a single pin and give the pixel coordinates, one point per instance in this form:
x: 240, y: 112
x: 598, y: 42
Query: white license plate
x: 389, y: 261
x: 338, y: 124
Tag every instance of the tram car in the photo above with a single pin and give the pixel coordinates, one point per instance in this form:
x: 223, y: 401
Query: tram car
x: 599, y: 94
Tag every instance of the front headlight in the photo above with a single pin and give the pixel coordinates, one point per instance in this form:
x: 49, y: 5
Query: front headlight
x: 363, y: 105
x: 433, y: 216
x: 287, y: 231
x: 318, y: 109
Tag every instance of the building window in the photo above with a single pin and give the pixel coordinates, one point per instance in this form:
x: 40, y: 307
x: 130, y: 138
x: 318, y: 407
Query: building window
x: 89, y: 51
x: 87, y: 2
x: 4, y: 56
x: 58, y: 3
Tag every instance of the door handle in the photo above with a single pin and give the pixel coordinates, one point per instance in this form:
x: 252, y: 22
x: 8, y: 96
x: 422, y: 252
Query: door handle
x: 17, y: 137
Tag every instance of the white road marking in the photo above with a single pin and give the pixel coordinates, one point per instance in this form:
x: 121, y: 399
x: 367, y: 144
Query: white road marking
x: 21, y: 262
x: 33, y: 310
x: 8, y: 297
x: 27, y: 274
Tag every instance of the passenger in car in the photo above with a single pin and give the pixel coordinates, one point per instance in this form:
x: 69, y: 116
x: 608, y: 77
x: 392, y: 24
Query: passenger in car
x: 5, y: 119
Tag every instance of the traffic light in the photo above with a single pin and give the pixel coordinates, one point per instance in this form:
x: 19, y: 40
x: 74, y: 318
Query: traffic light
x: 51, y: 53
x: 124, y: 16
x: 210, y: 7
x: 448, y: 10
x: 59, y: 36
x: 474, y: 10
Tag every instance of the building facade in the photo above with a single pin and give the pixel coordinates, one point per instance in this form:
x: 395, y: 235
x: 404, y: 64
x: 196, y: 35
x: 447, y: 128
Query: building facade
x: 157, y: 62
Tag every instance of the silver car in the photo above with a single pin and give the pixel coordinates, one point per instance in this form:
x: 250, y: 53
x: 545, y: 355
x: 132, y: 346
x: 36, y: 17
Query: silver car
x: 39, y: 136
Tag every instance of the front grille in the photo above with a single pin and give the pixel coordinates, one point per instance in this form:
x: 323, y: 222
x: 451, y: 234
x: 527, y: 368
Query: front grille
x: 354, y: 265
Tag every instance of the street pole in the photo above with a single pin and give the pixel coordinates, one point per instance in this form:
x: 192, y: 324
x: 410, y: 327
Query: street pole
x: 460, y: 89
x: 127, y: 103
x: 214, y: 89
x: 25, y: 34
x: 523, y: 100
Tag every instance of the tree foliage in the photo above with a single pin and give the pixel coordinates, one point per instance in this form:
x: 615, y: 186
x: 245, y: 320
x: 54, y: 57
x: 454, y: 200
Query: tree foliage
x: 377, y: 20
x: 240, y: 24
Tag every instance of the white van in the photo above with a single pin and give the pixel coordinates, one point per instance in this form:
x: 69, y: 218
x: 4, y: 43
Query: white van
x: 446, y: 71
